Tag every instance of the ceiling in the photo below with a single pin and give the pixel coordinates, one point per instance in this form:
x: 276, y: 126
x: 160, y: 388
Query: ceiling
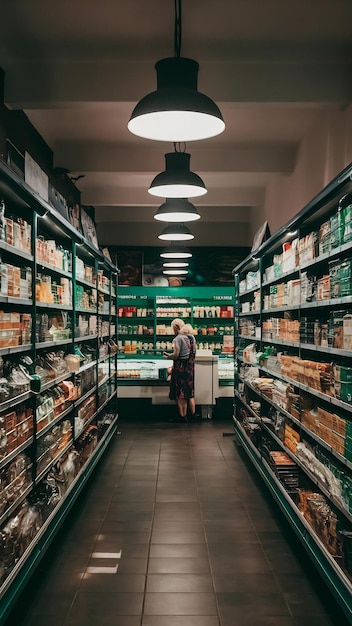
x: 77, y: 68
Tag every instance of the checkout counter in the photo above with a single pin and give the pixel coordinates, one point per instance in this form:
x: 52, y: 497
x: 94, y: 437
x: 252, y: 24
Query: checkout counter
x: 206, y: 382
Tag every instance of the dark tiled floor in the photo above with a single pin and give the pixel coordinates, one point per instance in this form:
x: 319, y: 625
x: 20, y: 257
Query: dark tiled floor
x: 201, y: 543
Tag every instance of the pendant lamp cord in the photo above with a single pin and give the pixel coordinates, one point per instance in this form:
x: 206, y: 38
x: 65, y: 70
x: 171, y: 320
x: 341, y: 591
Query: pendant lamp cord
x: 178, y: 28
x: 180, y: 146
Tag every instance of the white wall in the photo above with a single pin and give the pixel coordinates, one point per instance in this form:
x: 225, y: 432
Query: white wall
x: 322, y: 154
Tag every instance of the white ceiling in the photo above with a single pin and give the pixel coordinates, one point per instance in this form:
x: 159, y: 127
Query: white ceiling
x: 78, y: 68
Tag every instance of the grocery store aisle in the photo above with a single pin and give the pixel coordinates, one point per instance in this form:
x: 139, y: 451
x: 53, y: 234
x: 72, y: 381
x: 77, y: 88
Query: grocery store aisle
x: 175, y: 529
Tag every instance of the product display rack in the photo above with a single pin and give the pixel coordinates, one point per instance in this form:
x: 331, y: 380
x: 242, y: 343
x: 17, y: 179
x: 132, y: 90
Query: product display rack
x: 293, y: 378
x: 58, y: 352
x: 145, y: 315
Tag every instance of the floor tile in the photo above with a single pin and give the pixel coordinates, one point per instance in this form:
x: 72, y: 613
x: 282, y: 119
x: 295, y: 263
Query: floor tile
x: 239, y: 605
x: 241, y: 537
x: 174, y: 497
x: 120, y: 539
x: 178, y: 550
x: 178, y: 565
x: 178, y: 515
x: 113, y: 582
x: 88, y: 605
x: 130, y: 565
x: 178, y: 537
x: 304, y: 603
x: 52, y: 608
x: 180, y: 604
x: 244, y: 582
x: 180, y: 620
x: 177, y: 526
x: 182, y: 507
x: 105, y: 620
x: 171, y: 583
x: 118, y: 526
x: 133, y: 496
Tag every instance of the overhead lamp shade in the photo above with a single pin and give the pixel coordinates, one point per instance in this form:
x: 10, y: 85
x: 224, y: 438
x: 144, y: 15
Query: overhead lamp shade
x: 176, y: 232
x: 176, y: 111
x: 177, y: 210
x: 177, y: 181
x: 176, y: 252
x: 175, y: 272
x: 170, y: 264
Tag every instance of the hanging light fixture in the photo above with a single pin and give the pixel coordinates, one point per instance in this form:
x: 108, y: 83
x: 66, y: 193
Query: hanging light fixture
x: 177, y: 210
x: 170, y: 264
x: 176, y: 232
x: 176, y: 252
x: 176, y: 111
x: 177, y: 181
x: 175, y: 272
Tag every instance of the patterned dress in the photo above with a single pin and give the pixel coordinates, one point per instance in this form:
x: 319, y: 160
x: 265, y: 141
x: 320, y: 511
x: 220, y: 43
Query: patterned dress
x: 182, y: 375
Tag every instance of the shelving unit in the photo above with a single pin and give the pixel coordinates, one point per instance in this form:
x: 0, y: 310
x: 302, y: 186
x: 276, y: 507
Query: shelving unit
x: 57, y: 424
x: 293, y: 376
x: 145, y: 315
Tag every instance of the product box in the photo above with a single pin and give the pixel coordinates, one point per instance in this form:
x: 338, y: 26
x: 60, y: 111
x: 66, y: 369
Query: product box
x: 9, y: 230
x: 25, y: 282
x: 346, y: 223
x: 339, y: 425
x: 337, y: 443
x: 325, y: 417
x: 346, y: 392
x: 324, y: 237
x: 291, y: 438
x: 277, y: 265
x: 310, y: 421
x: 10, y: 420
x: 242, y: 289
x: 348, y: 448
x: 12, y: 442
x: 334, y: 274
x: 16, y: 282
x: 342, y: 373
x: 335, y: 231
x: 338, y: 328
x: 347, y: 331
x: 323, y: 288
x: 345, y: 287
x: 10, y: 285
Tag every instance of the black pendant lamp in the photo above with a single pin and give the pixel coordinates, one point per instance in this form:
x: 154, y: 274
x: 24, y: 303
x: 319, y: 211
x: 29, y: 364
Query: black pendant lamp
x: 176, y: 252
x: 176, y: 111
x: 177, y: 210
x: 177, y: 181
x: 176, y: 232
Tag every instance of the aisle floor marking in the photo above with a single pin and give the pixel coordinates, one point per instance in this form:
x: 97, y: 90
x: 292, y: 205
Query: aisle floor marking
x: 103, y: 569
x: 106, y: 555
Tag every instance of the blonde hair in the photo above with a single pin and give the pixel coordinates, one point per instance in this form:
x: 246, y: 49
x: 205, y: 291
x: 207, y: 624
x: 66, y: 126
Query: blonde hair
x: 187, y: 329
x: 176, y: 325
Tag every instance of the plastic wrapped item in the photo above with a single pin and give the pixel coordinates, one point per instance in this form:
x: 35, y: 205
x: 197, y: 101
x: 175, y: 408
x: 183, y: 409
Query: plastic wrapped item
x: 18, y: 379
x: 30, y: 521
x: 73, y: 362
x: 70, y: 465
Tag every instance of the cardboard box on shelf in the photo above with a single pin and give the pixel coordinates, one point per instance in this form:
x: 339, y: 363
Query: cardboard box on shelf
x: 348, y: 448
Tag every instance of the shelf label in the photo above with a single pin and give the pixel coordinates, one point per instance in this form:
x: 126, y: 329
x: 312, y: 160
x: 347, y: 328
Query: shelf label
x: 229, y: 298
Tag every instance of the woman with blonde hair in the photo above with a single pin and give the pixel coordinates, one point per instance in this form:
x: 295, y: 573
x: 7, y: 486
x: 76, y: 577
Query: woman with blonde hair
x: 182, y: 376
